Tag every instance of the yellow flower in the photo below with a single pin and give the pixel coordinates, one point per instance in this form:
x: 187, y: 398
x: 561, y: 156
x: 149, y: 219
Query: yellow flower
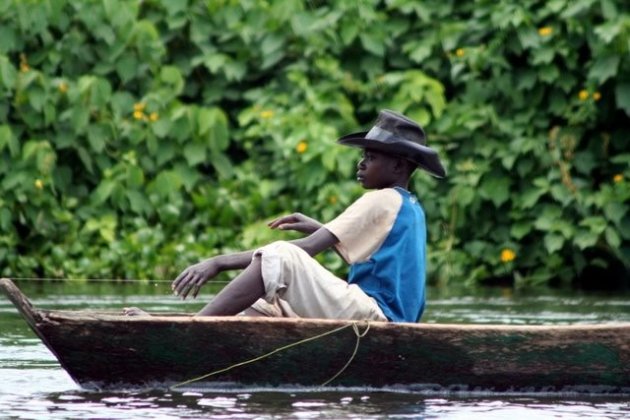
x: 63, y: 87
x: 138, y: 115
x: 460, y: 52
x: 266, y: 114
x: 618, y: 178
x: 545, y: 31
x: 597, y: 96
x: 332, y: 199
x: 154, y: 116
x: 39, y: 184
x: 301, y: 147
x: 138, y: 106
x: 583, y: 95
x: 507, y: 255
x: 24, y: 67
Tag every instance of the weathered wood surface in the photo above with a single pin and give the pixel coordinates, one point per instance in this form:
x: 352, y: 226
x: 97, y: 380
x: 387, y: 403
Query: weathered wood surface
x: 110, y: 349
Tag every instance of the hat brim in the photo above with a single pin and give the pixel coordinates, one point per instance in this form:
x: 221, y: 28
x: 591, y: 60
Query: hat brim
x: 423, y: 156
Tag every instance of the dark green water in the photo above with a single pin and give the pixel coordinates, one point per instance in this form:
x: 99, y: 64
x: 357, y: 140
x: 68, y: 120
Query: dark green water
x: 33, y: 385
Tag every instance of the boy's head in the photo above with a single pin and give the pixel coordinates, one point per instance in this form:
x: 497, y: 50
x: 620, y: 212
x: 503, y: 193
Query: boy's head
x: 396, y: 135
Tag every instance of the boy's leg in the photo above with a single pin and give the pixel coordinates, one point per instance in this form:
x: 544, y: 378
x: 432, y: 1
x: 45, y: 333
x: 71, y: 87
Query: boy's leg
x: 296, y: 285
x: 239, y: 294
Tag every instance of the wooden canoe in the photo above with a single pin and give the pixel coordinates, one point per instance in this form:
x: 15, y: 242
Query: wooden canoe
x: 108, y: 349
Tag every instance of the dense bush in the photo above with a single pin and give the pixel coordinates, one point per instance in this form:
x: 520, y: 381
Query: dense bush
x: 139, y: 136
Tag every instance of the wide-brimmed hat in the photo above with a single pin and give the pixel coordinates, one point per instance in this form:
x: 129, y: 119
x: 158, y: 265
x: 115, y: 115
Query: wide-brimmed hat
x: 395, y: 134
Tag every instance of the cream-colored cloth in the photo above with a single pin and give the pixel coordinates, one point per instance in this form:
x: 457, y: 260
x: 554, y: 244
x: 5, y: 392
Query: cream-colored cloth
x: 296, y: 285
x: 363, y: 226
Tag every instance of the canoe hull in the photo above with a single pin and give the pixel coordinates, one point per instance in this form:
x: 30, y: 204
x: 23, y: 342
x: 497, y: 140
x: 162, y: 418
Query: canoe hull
x: 111, y: 350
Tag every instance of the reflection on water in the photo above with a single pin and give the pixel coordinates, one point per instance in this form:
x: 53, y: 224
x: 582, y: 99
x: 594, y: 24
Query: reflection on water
x: 33, y: 386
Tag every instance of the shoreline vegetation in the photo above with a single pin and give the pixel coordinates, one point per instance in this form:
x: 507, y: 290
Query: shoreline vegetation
x: 137, y: 137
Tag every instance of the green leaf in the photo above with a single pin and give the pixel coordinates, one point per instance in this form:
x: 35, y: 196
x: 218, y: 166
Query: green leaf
x: 519, y: 230
x: 597, y: 224
x: 548, y: 73
x: 585, y: 239
x: 103, y: 191
x: 622, y: 95
x: 609, y: 30
x: 349, y: 32
x: 271, y: 43
x: 585, y: 162
x: 576, y: 7
x: 101, y: 93
x: 172, y: 76
x: 612, y: 237
x: 126, y: 67
x: 212, y: 124
x: 174, y: 7
x: 528, y: 37
x: 609, y: 10
x: 372, y: 43
x: 5, y: 219
x: 543, y: 55
x: 37, y: 98
x: 108, y: 227
x: 604, y: 68
x: 530, y: 197
x: 97, y: 135
x: 195, y: 153
x: 138, y: 202
x: 205, y: 120
x: 8, y: 74
x: 271, y: 59
x: 189, y: 176
x: 80, y: 116
x: 135, y: 176
x: 235, y: 70
x: 8, y: 140
x: 8, y: 37
x: 553, y: 242
x: 615, y: 212
x: 86, y: 159
x: 495, y: 189
x: 162, y: 127
x: 215, y: 61
x: 222, y: 164
x: 548, y: 218
x: 166, y: 183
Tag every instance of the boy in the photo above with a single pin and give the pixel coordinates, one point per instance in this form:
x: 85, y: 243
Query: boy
x: 382, y: 235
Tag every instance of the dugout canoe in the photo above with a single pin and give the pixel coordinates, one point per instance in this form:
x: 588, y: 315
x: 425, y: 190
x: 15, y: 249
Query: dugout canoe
x: 102, y: 349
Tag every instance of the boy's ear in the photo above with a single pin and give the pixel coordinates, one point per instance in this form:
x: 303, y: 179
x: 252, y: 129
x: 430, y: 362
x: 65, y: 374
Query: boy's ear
x: 400, y: 165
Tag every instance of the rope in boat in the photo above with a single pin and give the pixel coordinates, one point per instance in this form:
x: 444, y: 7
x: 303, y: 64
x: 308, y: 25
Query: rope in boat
x: 359, y: 336
x: 354, y: 326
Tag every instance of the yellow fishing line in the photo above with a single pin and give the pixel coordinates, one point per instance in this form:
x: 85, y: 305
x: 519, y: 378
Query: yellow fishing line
x: 288, y: 346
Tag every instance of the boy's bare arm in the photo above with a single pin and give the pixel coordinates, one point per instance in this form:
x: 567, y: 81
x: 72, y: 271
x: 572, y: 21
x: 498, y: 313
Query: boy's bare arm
x: 195, y: 276
x: 317, y: 242
x: 296, y: 221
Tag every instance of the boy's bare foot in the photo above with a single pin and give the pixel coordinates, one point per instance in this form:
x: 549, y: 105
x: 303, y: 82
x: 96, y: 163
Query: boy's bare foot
x: 133, y: 311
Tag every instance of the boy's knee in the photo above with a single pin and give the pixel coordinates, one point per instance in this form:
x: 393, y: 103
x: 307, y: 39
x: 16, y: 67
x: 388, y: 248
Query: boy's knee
x: 280, y: 249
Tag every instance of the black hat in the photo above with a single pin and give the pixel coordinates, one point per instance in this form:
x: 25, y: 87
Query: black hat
x: 396, y: 134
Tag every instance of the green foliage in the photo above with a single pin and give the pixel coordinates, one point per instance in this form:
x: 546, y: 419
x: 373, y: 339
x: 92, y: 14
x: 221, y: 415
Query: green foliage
x: 137, y: 137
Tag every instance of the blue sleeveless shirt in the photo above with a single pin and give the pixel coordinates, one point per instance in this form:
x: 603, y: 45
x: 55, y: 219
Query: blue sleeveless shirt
x: 395, y: 275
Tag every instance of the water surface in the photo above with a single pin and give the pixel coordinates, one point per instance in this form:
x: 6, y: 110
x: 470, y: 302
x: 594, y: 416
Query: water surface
x: 33, y: 385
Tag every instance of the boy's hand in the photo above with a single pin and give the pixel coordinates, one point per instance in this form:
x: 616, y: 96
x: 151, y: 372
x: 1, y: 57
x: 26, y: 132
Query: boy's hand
x: 297, y: 222
x: 195, y: 276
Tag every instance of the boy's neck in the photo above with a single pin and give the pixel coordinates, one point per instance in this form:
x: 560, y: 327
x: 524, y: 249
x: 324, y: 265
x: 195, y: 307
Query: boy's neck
x: 402, y: 185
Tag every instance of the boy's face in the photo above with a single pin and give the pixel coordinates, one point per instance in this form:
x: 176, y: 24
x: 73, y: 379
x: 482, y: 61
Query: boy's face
x: 376, y: 170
